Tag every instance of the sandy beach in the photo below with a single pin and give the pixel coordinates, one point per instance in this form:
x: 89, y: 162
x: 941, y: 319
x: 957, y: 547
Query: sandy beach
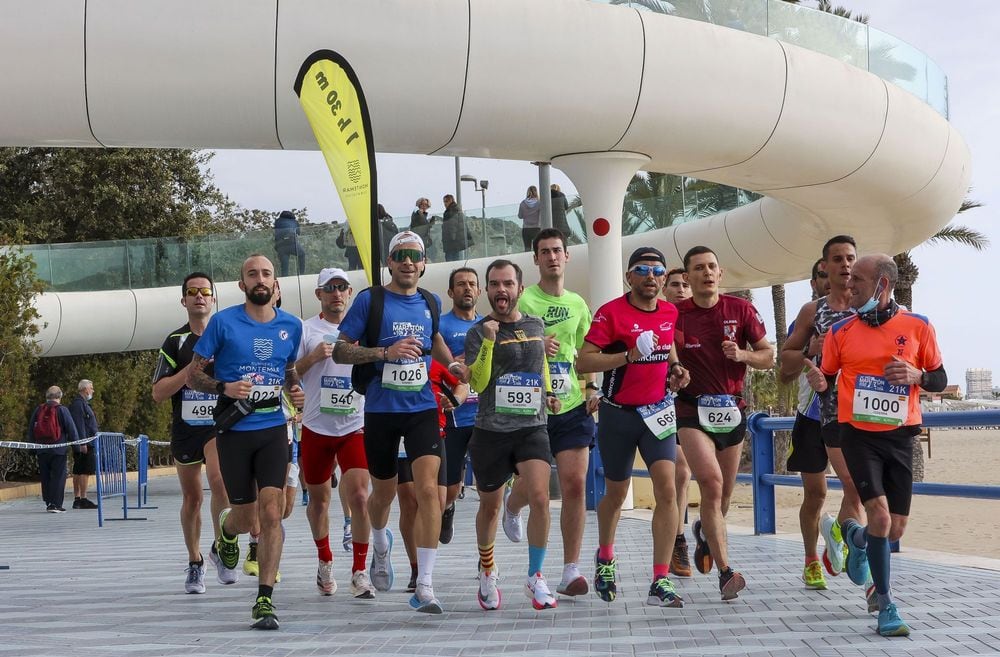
x: 944, y: 524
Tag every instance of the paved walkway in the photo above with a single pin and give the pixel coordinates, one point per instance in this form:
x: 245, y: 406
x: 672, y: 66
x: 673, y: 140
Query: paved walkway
x: 74, y: 589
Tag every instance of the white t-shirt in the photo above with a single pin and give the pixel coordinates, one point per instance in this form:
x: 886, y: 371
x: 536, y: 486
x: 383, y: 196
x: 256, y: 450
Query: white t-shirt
x: 332, y: 407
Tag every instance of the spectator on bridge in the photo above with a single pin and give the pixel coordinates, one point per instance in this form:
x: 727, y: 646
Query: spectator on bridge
x: 530, y: 214
x: 454, y: 233
x: 84, y: 458
x: 288, y: 241
x: 421, y: 224
x: 52, y: 427
x: 387, y: 228
x: 347, y: 242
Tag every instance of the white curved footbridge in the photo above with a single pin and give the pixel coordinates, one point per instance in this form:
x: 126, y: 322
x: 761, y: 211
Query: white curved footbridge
x: 600, y: 91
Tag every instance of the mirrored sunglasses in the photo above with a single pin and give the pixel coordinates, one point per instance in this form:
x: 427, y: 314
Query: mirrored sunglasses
x: 194, y: 291
x: 400, y: 255
x: 644, y: 270
x: 339, y: 287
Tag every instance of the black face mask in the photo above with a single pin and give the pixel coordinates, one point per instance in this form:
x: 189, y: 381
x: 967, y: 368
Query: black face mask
x: 878, y: 317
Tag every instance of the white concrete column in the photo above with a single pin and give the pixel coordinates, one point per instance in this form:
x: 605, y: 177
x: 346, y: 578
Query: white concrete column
x: 601, y: 180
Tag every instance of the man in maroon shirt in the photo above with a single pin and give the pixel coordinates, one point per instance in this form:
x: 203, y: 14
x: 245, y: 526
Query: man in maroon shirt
x: 631, y: 341
x: 717, y: 337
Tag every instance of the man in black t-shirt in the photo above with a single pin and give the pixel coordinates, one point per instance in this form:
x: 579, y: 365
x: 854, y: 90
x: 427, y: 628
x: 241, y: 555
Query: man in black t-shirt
x: 192, y: 435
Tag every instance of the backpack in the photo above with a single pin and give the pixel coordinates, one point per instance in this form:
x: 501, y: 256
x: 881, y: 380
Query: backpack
x: 362, y: 375
x: 47, y: 429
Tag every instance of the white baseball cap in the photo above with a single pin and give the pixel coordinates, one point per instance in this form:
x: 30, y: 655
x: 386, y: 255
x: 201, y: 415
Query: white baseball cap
x: 330, y: 273
x: 405, y: 237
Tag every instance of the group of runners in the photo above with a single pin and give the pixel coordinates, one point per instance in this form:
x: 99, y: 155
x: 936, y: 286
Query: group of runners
x: 397, y: 394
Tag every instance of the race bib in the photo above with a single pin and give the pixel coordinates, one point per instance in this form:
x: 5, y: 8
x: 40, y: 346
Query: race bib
x: 259, y: 393
x: 660, y: 418
x: 409, y: 376
x: 719, y: 413
x: 337, y: 397
x: 197, y: 407
x: 561, y: 379
x: 519, y: 393
x: 880, y: 402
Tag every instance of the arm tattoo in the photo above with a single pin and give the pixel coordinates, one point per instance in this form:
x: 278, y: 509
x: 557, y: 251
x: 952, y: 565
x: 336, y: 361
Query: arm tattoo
x: 349, y: 353
x: 291, y: 376
x: 197, y: 379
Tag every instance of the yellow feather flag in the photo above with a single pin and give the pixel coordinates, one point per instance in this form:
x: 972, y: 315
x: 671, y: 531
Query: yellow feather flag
x: 331, y: 97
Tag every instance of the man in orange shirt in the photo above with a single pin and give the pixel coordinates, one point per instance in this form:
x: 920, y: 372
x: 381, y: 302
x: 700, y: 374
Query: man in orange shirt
x: 884, y: 355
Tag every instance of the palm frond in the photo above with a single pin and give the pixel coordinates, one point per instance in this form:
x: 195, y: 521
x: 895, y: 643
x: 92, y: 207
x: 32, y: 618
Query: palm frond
x: 969, y: 204
x: 961, y: 235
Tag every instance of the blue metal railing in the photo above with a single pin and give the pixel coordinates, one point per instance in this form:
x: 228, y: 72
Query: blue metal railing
x: 111, y: 472
x: 763, y: 479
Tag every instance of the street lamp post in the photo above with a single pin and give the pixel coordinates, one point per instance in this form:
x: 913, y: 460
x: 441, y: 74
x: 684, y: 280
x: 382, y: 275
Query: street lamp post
x: 480, y: 186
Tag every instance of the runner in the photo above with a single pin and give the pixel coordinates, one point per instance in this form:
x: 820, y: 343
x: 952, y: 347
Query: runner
x: 332, y: 423
x: 253, y: 346
x: 571, y: 429
x: 805, y: 342
x: 192, y: 431
x: 463, y: 288
x: 511, y: 374
x: 676, y: 290
x: 884, y: 356
x: 718, y: 336
x: 631, y: 341
x: 400, y: 403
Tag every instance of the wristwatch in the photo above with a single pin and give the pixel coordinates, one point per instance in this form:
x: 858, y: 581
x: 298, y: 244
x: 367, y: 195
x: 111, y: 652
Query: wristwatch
x: 220, y: 387
x: 592, y: 386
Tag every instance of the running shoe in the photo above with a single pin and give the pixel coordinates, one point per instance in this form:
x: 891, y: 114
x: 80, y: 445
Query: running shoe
x: 512, y: 525
x: 250, y: 565
x: 857, y: 558
x: 488, y: 593
x: 423, y: 600
x: 663, y: 594
x: 228, y: 549
x: 86, y: 504
x: 447, y: 524
x: 730, y: 584
x: 871, y: 597
x: 223, y: 574
x: 890, y: 624
x: 381, y: 569
x: 348, y: 535
x: 541, y: 597
x: 361, y: 586
x: 605, y: 578
x: 194, y: 581
x: 702, y: 554
x: 573, y: 582
x: 680, y: 565
x: 325, y: 582
x: 833, y: 555
x: 263, y: 614
x: 496, y: 567
x: 812, y: 575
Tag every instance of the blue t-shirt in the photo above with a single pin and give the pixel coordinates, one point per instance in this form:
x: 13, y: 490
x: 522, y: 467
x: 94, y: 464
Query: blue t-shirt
x: 257, y: 352
x: 402, y: 316
x: 453, y: 330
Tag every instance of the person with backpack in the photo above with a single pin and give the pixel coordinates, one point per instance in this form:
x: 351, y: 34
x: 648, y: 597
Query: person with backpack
x: 52, y: 424
x: 397, y: 326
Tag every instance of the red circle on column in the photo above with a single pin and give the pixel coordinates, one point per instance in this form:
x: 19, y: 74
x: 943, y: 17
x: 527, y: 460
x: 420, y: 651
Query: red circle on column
x: 601, y: 226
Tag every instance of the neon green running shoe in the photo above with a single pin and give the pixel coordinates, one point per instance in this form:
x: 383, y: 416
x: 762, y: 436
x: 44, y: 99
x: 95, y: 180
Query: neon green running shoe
x: 228, y: 548
x: 812, y: 575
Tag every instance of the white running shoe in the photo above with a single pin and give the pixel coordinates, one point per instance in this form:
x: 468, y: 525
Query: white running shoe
x: 488, y: 593
x: 325, y: 582
x: 381, y: 568
x: 195, y: 579
x: 512, y: 525
x: 536, y: 589
x: 361, y: 586
x: 573, y: 582
x: 833, y: 555
x: 423, y: 600
x: 223, y: 574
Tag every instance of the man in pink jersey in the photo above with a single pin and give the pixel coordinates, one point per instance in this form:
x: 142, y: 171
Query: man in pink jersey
x: 717, y: 336
x: 631, y: 341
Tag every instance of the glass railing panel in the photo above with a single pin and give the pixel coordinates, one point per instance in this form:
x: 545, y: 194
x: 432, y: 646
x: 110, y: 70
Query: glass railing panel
x: 842, y: 39
x: 898, y: 62
x: 743, y: 15
x: 937, y: 88
x: 89, y: 266
x: 43, y: 266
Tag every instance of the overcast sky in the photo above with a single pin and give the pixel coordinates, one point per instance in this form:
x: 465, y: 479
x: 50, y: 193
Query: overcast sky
x: 954, y: 289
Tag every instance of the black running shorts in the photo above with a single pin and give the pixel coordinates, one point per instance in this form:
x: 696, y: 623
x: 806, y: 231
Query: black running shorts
x: 495, y: 454
x: 420, y: 433
x: 251, y: 460
x: 831, y: 434
x: 457, y: 443
x: 189, y: 448
x: 620, y: 432
x: 808, y: 453
x: 881, y: 463
x: 571, y: 430
x: 722, y: 440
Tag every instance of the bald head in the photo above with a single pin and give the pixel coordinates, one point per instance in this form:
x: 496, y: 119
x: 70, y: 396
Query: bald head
x: 880, y: 265
x: 873, y: 276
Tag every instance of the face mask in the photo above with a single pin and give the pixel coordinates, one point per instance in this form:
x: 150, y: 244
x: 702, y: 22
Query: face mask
x: 872, y: 303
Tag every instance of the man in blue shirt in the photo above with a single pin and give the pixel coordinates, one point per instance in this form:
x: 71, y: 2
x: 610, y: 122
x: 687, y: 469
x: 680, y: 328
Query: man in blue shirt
x: 254, y: 347
x: 399, y: 403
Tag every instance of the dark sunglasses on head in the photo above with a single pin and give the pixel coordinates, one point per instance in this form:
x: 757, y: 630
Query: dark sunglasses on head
x: 822, y: 274
x: 339, y: 287
x: 643, y: 270
x: 205, y: 291
x: 400, y: 255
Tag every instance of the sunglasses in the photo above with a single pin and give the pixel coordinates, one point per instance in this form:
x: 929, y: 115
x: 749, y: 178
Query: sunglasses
x: 339, y: 287
x: 822, y: 274
x: 400, y: 255
x: 644, y: 270
x: 193, y: 291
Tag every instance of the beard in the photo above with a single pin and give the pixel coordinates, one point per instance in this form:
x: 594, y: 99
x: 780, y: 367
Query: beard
x: 464, y: 303
x: 510, y: 306
x: 260, y: 295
